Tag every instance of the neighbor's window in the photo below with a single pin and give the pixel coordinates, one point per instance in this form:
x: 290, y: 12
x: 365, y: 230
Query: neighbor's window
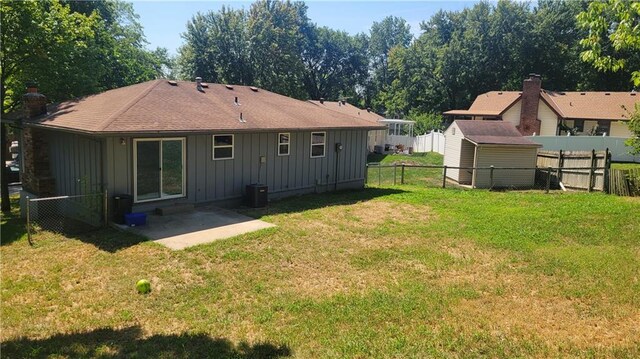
x: 604, y: 127
x: 578, y: 125
x: 318, y: 144
x: 284, y: 139
x: 222, y: 147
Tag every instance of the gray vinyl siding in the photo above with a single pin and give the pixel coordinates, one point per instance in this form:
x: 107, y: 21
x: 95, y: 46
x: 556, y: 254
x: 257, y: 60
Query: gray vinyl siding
x: 75, y: 163
x: 211, y: 180
x: 506, y: 157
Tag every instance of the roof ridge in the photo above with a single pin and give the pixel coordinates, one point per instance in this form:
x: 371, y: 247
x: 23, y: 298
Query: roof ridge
x: 104, y: 124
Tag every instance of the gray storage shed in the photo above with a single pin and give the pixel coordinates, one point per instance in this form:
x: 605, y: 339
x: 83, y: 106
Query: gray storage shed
x: 479, y: 144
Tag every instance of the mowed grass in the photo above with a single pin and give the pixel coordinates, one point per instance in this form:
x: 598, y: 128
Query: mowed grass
x: 625, y: 166
x: 384, y: 174
x: 403, y: 271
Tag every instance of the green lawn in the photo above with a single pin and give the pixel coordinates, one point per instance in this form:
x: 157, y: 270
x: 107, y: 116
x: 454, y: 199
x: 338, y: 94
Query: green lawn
x: 404, y: 271
x: 417, y: 176
x: 625, y: 166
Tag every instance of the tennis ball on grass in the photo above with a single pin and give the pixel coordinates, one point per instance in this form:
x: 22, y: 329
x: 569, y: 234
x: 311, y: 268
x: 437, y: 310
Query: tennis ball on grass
x: 143, y: 286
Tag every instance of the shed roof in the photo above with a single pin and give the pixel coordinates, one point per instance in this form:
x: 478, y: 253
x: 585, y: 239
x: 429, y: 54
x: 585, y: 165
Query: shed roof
x: 570, y: 105
x: 493, y: 133
x: 158, y: 106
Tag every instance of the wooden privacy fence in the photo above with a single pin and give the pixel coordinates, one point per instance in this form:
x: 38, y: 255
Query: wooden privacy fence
x: 625, y: 182
x: 578, y: 169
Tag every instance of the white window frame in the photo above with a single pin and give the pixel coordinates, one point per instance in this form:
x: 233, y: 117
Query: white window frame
x: 135, y: 168
x: 288, y: 144
x: 213, y: 147
x: 324, y: 144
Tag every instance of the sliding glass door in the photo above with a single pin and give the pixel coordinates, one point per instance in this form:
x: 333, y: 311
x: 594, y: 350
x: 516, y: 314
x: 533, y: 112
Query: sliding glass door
x: 159, y: 171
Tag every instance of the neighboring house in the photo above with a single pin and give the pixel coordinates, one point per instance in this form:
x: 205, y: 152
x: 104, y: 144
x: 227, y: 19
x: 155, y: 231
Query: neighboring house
x: 398, y: 132
x: 489, y: 143
x: 167, y: 142
x: 536, y: 111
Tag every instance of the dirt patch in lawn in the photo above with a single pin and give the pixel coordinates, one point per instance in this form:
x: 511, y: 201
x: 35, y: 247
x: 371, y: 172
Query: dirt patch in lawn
x: 320, y: 262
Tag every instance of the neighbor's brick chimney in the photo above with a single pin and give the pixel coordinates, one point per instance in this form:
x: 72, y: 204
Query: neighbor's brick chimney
x: 529, y: 123
x: 36, y: 173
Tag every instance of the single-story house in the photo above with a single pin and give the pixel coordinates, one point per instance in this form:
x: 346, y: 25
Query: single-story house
x: 481, y: 144
x: 397, y: 131
x: 535, y: 111
x: 174, y: 142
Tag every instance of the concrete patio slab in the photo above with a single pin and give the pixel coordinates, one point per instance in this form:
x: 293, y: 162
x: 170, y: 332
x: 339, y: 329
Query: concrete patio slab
x: 203, y: 225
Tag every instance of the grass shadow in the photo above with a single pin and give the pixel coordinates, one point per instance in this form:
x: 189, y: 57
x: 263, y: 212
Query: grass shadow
x: 315, y: 201
x: 130, y: 342
x: 13, y: 226
x: 109, y: 239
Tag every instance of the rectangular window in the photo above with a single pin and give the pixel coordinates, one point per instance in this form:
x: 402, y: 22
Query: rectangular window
x: 578, y: 125
x: 284, y: 139
x: 222, y: 147
x: 318, y: 144
x: 159, y: 168
x: 604, y: 128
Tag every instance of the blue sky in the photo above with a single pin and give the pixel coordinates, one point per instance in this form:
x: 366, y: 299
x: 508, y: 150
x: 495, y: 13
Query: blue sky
x: 164, y: 21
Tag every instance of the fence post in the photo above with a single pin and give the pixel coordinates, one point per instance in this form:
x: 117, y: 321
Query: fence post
x: 366, y: 174
x: 606, y: 172
x: 548, y: 186
x: 402, y: 175
x: 395, y: 167
x: 379, y: 174
x: 29, y: 220
x: 444, y: 176
x: 491, y: 177
x: 560, y: 164
x: 591, y: 170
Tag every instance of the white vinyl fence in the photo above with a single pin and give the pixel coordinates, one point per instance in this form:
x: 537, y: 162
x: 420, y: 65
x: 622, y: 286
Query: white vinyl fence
x: 619, y: 151
x: 430, y: 142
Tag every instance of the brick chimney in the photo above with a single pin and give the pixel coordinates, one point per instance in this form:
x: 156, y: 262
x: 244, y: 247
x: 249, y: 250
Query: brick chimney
x: 36, y: 173
x: 35, y: 104
x: 529, y: 123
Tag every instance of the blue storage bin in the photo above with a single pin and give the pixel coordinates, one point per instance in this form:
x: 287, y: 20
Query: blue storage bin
x: 135, y: 219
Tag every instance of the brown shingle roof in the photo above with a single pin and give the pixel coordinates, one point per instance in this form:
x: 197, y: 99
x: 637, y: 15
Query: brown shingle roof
x: 157, y: 106
x: 492, y: 103
x: 595, y: 105
x: 570, y: 105
x: 493, y: 133
x: 349, y: 109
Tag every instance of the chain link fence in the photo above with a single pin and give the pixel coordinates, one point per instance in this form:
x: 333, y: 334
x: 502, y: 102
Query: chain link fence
x: 67, y: 215
x: 504, y: 178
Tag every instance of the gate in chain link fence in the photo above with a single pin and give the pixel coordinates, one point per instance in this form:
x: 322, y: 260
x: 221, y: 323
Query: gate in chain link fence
x: 66, y: 215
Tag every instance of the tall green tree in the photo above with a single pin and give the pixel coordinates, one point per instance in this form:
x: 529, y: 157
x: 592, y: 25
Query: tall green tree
x: 335, y: 63
x: 613, y: 41
x: 391, y: 32
x: 613, y: 44
x: 70, y: 49
x: 216, y: 48
x: 277, y: 35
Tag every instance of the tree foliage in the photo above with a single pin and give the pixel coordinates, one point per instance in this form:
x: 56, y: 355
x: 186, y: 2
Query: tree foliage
x: 73, y: 48
x: 613, y: 41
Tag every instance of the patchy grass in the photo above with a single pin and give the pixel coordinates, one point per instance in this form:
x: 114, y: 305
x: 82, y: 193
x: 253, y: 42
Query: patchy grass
x: 404, y: 271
